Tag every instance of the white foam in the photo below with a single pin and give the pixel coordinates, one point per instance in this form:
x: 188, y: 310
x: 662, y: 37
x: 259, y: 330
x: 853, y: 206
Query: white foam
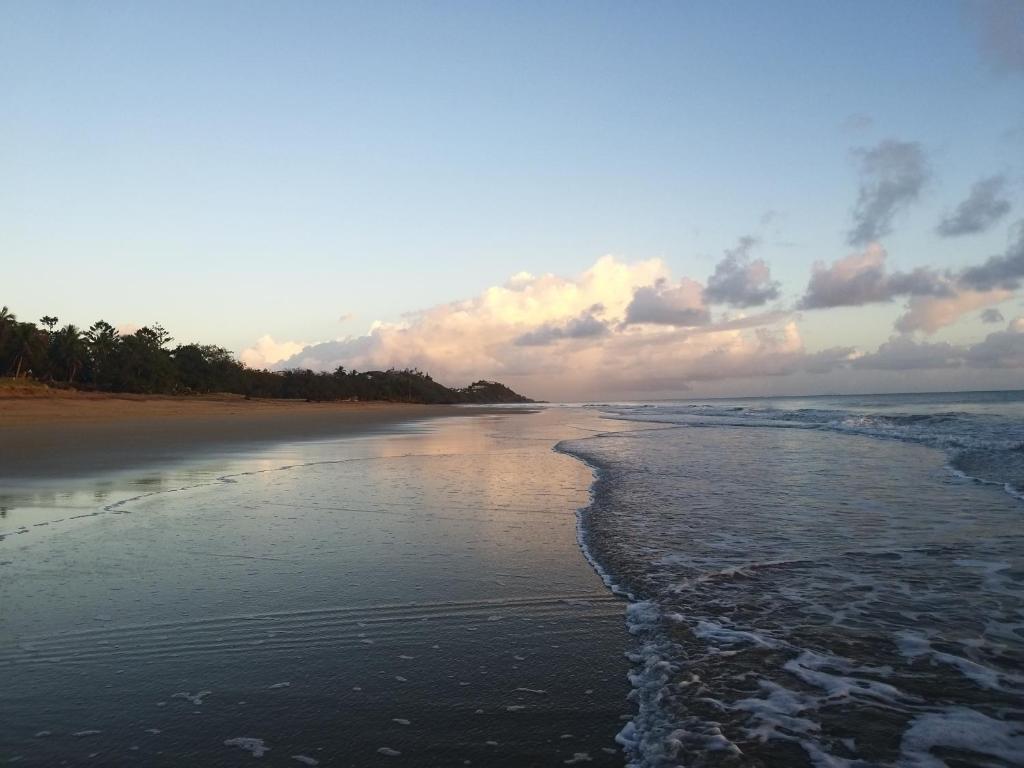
x: 388, y: 752
x: 708, y: 630
x: 778, y: 712
x: 579, y: 757
x: 983, y: 676
x: 249, y: 744
x: 196, y: 698
x: 813, y: 668
x: 912, y: 644
x: 961, y: 729
x: 306, y: 760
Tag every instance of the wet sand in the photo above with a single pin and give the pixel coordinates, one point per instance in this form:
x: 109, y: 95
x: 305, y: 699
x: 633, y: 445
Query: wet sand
x: 55, y: 434
x: 409, y: 598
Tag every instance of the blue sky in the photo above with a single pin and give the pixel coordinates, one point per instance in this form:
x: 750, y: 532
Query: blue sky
x: 241, y: 169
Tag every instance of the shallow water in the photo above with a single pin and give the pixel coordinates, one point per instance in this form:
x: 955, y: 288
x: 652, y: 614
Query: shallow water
x: 417, y: 597
x: 830, y: 588
x: 809, y: 596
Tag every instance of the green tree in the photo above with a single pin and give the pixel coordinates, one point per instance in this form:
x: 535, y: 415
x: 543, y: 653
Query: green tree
x: 7, y: 322
x: 102, y: 340
x: 28, y: 348
x: 69, y: 353
x: 142, y: 364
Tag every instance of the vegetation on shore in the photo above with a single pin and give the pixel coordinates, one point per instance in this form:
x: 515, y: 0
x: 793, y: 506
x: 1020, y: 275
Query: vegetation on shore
x: 102, y: 359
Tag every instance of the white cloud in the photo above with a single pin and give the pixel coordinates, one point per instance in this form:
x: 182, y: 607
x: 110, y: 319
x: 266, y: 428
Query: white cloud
x: 266, y: 352
x: 930, y: 313
x: 624, y: 329
x: 557, y: 337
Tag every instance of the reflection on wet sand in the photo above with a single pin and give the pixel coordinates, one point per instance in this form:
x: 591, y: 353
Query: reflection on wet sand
x: 416, y: 596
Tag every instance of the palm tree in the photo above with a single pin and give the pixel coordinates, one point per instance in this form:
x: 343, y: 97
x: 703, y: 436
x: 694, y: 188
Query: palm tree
x: 49, y: 321
x: 68, y: 351
x: 27, y: 345
x: 102, y: 339
x: 7, y: 322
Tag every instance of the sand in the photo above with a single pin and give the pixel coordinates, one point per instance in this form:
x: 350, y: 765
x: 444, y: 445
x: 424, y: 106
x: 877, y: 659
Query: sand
x: 55, y: 433
x: 414, y: 596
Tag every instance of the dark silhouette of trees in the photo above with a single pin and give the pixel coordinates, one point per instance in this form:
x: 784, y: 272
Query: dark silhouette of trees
x: 28, y: 348
x: 102, y: 340
x: 68, y: 354
x: 145, y: 362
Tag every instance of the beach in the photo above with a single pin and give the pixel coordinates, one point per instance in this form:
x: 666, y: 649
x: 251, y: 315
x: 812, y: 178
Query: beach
x: 66, y: 433
x: 791, y: 582
x: 413, y: 594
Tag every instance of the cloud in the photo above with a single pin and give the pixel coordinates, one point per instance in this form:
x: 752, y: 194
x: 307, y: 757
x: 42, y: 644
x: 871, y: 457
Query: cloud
x: 1000, y: 26
x: 829, y: 359
x: 616, y: 328
x: 585, y: 326
x: 1002, y: 349
x: 992, y: 315
x: 862, y: 278
x: 621, y: 328
x: 346, y: 317
x: 1004, y: 271
x: 680, y: 305
x: 934, y: 299
x: 902, y: 353
x: 266, y: 352
x: 984, y: 206
x: 739, y: 281
x: 930, y: 313
x: 892, y: 174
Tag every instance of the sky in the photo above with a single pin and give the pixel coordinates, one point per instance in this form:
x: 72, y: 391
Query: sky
x: 581, y: 199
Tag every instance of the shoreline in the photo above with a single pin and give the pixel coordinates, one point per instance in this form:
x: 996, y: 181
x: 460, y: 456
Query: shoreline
x: 68, y: 435
x: 417, y: 591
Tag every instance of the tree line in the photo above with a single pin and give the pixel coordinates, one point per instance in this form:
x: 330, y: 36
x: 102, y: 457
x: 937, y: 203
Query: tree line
x: 146, y: 361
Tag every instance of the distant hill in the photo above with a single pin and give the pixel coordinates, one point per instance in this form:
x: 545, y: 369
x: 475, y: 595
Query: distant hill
x: 490, y: 392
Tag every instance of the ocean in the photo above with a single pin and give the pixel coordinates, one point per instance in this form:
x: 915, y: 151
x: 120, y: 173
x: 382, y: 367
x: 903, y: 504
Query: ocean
x: 832, y: 581
x: 828, y: 581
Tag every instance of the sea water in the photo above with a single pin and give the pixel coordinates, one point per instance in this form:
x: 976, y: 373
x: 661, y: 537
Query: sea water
x: 820, y: 581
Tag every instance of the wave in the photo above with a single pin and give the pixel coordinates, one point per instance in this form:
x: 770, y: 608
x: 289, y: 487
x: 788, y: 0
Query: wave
x: 802, y: 602
x: 986, y: 447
